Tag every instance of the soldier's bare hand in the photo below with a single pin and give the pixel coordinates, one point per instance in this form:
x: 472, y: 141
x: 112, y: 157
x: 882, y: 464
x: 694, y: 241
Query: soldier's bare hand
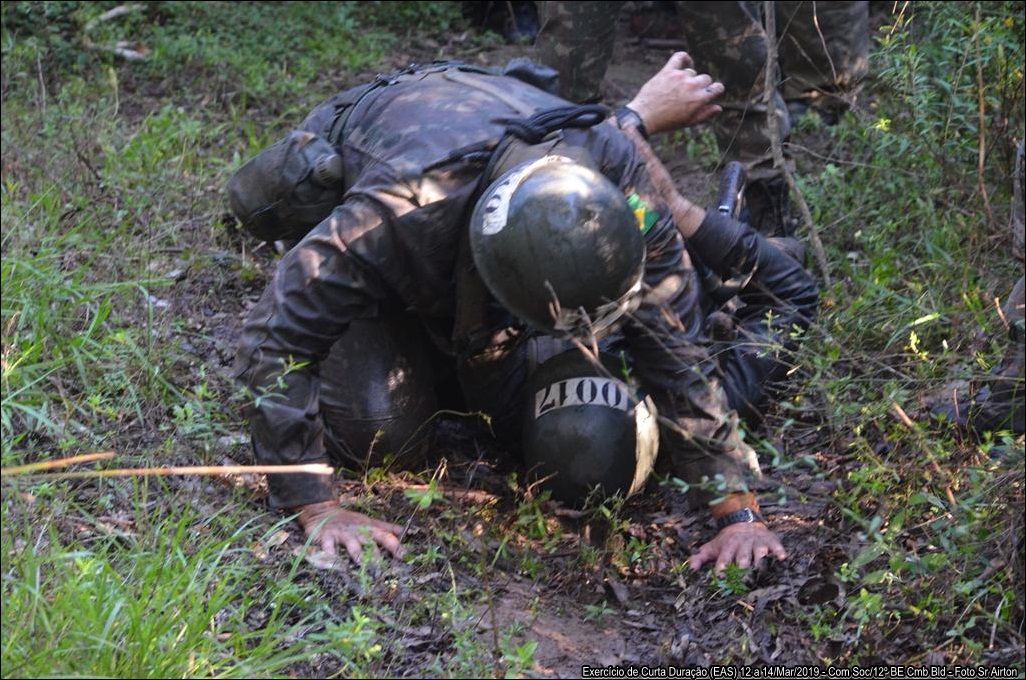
x: 742, y: 544
x: 677, y: 96
x: 332, y: 526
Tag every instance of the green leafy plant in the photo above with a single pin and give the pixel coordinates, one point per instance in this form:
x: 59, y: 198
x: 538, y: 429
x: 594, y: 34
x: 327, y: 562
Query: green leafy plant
x: 426, y: 497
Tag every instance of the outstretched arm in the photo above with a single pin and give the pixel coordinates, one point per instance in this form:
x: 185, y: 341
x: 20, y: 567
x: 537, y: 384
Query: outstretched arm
x: 317, y: 290
x: 745, y: 543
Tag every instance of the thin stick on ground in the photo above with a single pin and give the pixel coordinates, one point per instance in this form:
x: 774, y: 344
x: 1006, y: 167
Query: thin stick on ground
x: 209, y: 470
x: 51, y: 464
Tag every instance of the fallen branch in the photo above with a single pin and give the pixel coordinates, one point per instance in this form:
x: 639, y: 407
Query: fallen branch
x: 927, y: 453
x: 118, y: 11
x: 469, y: 495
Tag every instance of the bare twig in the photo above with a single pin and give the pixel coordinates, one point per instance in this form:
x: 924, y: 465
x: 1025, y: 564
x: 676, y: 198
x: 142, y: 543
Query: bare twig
x: 1018, y: 204
x: 823, y: 42
x: 42, y: 82
x: 997, y: 617
x: 312, y: 468
x: 51, y: 464
x: 911, y: 426
x: 775, y: 141
x: 469, y: 495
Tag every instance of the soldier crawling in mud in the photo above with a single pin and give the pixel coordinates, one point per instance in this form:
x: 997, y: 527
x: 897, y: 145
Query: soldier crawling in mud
x: 449, y: 216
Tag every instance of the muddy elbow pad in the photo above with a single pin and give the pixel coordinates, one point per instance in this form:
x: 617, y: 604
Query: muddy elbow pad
x: 287, y: 189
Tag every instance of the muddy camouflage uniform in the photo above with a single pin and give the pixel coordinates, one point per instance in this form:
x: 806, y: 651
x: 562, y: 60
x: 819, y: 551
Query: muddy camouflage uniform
x: 823, y: 53
x: 389, y: 265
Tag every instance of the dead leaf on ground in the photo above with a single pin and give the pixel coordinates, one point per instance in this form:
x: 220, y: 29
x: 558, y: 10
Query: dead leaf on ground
x: 321, y: 559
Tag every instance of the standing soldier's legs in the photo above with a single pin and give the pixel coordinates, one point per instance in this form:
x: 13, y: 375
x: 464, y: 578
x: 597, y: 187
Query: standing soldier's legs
x: 1002, y: 404
x: 824, y: 51
x: 999, y: 403
x: 576, y: 39
x: 728, y: 40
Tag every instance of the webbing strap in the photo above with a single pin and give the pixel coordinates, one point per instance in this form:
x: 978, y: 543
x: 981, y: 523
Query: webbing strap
x: 534, y: 129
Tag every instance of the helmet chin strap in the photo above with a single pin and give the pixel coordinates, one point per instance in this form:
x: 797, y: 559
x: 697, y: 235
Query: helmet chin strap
x: 605, y: 319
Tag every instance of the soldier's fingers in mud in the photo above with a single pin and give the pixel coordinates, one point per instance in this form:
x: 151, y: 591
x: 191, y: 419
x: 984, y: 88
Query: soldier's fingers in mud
x: 758, y: 553
x: 388, y: 541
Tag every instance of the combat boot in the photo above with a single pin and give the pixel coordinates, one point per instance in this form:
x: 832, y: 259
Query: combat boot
x: 768, y: 205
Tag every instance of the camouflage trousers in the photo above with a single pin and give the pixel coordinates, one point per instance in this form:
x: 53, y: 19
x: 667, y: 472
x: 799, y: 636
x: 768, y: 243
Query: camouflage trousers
x: 823, y: 54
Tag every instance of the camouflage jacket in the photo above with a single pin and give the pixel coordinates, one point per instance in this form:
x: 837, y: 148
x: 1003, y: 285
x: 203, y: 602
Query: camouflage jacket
x: 415, y: 150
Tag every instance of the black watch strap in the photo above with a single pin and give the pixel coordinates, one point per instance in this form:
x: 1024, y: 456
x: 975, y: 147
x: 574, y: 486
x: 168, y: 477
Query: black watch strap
x: 738, y: 517
x: 628, y: 116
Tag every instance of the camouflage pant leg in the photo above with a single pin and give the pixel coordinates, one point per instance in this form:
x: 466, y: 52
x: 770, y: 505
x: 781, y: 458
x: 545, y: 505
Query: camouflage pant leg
x: 728, y: 41
x: 824, y: 47
x: 576, y: 39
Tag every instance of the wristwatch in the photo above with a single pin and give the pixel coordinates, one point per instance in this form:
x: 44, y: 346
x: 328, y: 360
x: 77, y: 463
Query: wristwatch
x: 738, y: 517
x: 628, y: 116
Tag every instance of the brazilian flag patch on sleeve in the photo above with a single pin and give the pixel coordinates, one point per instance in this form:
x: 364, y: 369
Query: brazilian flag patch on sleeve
x: 645, y: 216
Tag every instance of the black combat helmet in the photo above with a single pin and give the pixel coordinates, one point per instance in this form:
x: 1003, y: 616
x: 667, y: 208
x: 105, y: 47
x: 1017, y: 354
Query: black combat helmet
x: 586, y: 429
x: 558, y: 246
